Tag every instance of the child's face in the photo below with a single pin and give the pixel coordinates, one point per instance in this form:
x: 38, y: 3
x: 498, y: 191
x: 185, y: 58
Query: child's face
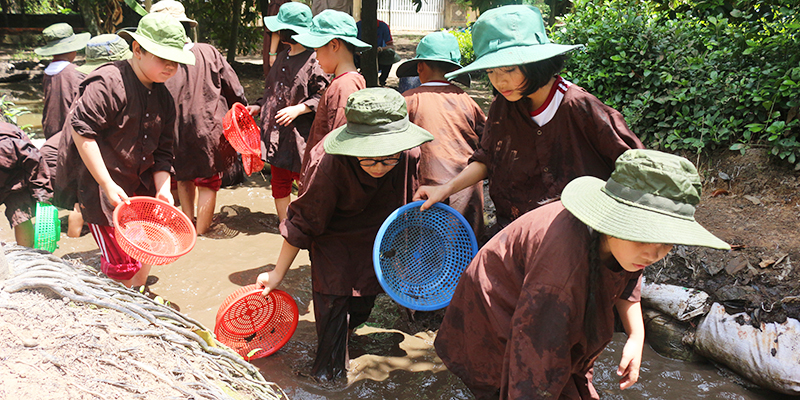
x: 154, y: 68
x: 509, y: 81
x: 377, y: 167
x: 635, y: 256
x: 326, y: 56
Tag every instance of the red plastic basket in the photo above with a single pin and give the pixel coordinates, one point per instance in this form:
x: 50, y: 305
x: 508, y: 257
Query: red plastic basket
x: 152, y: 231
x: 256, y: 326
x: 241, y: 130
x: 252, y: 163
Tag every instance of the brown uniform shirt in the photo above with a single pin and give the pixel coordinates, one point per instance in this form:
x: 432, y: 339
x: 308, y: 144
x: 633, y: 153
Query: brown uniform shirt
x: 133, y: 127
x: 330, y: 112
x: 528, y: 163
x: 338, y: 217
x: 456, y: 123
x: 516, y: 318
x: 293, y: 80
x: 21, y: 169
x: 203, y: 93
x: 60, y: 90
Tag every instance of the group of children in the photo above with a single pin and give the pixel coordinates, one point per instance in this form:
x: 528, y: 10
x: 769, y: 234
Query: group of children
x: 582, y: 209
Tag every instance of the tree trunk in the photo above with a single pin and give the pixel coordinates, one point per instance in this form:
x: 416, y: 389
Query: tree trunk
x: 369, y: 34
x: 86, y: 9
x: 236, y: 19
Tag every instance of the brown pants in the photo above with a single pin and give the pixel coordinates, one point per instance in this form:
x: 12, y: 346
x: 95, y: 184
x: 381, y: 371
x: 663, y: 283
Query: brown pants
x: 335, y: 315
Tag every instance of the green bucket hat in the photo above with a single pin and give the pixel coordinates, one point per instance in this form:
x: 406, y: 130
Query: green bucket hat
x: 162, y: 35
x: 437, y: 46
x: 377, y: 126
x: 175, y: 9
x: 510, y: 35
x: 294, y: 16
x: 102, y: 49
x: 329, y: 25
x: 61, y: 39
x: 650, y: 198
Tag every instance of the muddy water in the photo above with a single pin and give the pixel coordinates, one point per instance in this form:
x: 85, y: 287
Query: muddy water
x: 388, y: 363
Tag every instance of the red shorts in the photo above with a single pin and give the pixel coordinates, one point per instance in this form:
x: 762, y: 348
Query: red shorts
x: 213, y: 182
x: 281, y: 182
x: 115, y: 263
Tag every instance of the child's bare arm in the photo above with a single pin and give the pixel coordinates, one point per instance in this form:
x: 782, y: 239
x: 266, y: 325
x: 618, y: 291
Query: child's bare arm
x: 286, y: 116
x: 270, y: 280
x: 474, y: 173
x: 91, y: 156
x: 630, y: 313
x: 162, y: 181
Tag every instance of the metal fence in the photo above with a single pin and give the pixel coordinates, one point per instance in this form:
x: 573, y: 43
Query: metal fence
x: 401, y: 15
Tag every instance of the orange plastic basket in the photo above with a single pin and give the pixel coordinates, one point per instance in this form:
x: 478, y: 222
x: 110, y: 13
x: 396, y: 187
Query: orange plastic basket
x: 256, y: 326
x: 241, y: 130
x: 152, y: 231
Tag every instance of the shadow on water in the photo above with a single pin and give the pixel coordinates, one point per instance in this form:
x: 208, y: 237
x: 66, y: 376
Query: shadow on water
x: 235, y: 219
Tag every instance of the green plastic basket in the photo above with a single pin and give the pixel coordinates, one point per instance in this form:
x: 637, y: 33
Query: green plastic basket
x: 47, y: 228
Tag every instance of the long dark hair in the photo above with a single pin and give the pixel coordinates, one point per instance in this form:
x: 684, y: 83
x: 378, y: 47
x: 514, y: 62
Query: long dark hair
x: 286, y: 36
x: 590, y: 312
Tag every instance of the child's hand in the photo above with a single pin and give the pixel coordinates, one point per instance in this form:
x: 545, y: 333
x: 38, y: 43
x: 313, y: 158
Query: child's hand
x: 268, y: 281
x: 629, y: 364
x: 115, y: 194
x: 285, y: 116
x: 254, y: 110
x: 167, y: 196
x: 432, y: 195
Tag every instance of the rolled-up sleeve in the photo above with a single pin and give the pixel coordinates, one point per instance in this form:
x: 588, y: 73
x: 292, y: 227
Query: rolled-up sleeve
x: 96, y: 107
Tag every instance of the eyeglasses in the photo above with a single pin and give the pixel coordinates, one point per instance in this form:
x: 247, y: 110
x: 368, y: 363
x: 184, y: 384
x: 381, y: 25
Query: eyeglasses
x: 371, y: 162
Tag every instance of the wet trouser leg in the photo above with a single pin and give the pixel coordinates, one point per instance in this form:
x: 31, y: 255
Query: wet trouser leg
x: 335, y: 315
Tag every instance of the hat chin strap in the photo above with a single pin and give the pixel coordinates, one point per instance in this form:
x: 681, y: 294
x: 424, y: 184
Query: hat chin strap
x: 395, y: 126
x: 648, y: 201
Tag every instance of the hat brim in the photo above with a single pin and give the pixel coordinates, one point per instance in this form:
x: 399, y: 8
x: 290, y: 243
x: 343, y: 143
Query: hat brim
x: 517, y: 55
x: 88, y: 67
x: 409, y: 68
x: 180, y: 56
x: 66, y: 45
x: 340, y: 141
x: 584, y: 198
x: 273, y: 24
x: 315, y: 41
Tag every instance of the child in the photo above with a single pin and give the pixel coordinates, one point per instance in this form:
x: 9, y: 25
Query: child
x: 61, y: 78
x: 123, y: 127
x: 541, y: 131
x: 386, y: 53
x: 25, y: 180
x: 287, y: 109
x: 333, y: 37
x: 271, y: 44
x: 362, y: 172
x: 535, y: 307
x: 451, y: 116
x: 203, y: 93
x: 99, y: 50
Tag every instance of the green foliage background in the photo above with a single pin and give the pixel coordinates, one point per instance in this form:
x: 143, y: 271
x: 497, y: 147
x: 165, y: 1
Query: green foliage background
x: 693, y: 75
x: 214, y: 23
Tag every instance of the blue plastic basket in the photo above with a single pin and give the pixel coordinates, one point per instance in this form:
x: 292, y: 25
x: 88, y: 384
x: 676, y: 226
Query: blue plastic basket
x: 419, y: 256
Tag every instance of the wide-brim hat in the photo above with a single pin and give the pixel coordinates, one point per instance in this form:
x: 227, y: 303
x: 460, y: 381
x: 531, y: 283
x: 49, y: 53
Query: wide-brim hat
x: 61, y: 39
x: 437, y: 46
x: 175, y: 9
x: 377, y: 126
x: 650, y: 198
x: 293, y: 16
x: 329, y: 25
x: 102, y: 49
x: 162, y: 35
x: 511, y: 35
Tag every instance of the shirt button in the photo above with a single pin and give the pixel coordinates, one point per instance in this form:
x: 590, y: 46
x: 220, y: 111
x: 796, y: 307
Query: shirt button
x: 148, y: 114
x: 539, y: 132
x: 148, y: 92
x: 545, y: 169
x: 144, y: 158
x: 283, y: 69
x: 145, y: 136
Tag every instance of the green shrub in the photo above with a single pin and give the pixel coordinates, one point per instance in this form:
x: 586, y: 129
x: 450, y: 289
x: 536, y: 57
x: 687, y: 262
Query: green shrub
x: 465, y: 45
x: 684, y: 82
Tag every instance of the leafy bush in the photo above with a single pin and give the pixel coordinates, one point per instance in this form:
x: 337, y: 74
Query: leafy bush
x: 214, y: 23
x: 686, y: 82
x: 465, y: 45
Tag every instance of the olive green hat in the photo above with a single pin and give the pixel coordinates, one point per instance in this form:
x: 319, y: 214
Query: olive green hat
x: 377, y: 126
x: 162, y: 35
x: 510, y: 35
x: 61, y: 39
x: 175, y: 9
x: 437, y: 46
x: 650, y: 198
x: 102, y: 49
x: 293, y: 16
x: 329, y: 25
